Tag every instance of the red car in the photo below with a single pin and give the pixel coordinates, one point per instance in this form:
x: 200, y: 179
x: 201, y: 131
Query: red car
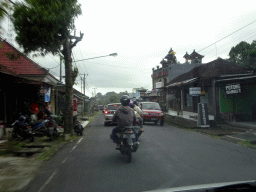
x: 152, y: 112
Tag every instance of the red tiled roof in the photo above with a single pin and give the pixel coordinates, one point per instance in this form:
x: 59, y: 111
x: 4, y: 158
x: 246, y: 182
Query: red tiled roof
x: 213, y: 69
x: 22, y: 66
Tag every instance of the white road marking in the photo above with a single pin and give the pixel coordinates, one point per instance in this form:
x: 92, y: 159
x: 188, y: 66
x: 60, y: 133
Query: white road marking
x: 64, y: 160
x: 74, y: 148
x: 79, y: 140
x: 50, y: 178
x: 235, y: 138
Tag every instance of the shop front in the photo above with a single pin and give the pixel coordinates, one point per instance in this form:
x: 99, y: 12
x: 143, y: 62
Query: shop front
x: 237, y: 98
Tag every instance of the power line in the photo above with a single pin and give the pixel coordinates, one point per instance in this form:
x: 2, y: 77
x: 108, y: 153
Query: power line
x: 237, y: 40
x: 228, y: 35
x: 229, y: 48
x: 114, y: 65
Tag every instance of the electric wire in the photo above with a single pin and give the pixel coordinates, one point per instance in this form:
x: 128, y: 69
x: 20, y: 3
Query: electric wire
x: 228, y: 35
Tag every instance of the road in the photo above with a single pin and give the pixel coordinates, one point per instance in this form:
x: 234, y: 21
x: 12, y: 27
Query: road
x: 167, y: 157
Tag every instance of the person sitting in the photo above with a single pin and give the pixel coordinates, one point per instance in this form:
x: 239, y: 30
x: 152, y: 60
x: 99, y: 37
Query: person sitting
x: 139, y: 114
x: 124, y: 116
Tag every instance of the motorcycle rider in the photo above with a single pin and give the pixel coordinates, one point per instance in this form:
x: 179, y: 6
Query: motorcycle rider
x: 124, y: 116
x: 133, y: 105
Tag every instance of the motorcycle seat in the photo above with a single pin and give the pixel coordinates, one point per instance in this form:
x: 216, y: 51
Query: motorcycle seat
x: 36, y: 123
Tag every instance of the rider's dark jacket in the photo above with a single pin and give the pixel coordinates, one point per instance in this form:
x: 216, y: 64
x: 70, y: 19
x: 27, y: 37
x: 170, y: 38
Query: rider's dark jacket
x: 124, y: 116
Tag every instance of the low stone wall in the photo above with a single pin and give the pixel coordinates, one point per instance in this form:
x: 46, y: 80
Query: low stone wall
x: 180, y: 121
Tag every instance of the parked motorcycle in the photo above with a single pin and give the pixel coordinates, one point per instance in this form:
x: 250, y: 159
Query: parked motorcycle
x: 22, y: 130
x: 78, y: 128
x: 126, y: 137
x: 47, y: 127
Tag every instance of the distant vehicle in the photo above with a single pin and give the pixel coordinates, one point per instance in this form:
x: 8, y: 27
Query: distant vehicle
x: 101, y: 107
x: 152, y: 112
x: 110, y: 111
x: 104, y: 108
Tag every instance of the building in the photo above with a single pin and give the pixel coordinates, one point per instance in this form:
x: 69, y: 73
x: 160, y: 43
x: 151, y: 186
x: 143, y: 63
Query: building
x: 229, y: 91
x: 170, y: 70
x: 21, y: 80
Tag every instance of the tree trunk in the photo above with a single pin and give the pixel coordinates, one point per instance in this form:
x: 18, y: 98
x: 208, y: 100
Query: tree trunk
x: 68, y: 113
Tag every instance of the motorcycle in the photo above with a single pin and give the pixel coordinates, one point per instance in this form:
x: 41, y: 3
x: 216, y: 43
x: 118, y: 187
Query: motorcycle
x: 138, y: 124
x: 22, y: 130
x: 46, y: 127
x: 126, y: 137
x: 78, y: 128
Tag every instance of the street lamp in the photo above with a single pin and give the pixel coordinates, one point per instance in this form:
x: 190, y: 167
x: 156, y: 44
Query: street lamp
x: 112, y: 54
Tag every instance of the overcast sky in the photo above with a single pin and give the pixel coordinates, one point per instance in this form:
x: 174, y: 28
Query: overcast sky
x: 142, y: 32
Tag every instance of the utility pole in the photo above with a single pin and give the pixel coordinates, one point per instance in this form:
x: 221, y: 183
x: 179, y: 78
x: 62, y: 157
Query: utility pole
x: 95, y: 91
x: 60, y: 69
x: 81, y: 84
x: 84, y: 84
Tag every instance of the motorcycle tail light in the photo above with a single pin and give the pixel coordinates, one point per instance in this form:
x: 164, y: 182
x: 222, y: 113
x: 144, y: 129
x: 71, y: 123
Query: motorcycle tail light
x: 129, y: 131
x: 50, y: 124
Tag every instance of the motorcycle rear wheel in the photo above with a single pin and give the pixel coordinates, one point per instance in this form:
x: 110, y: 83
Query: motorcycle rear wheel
x: 31, y: 138
x: 51, y: 137
x: 129, y: 154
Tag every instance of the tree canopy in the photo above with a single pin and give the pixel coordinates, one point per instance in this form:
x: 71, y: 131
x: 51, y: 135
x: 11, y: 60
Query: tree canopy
x: 4, y: 7
x: 244, y: 54
x: 43, y: 25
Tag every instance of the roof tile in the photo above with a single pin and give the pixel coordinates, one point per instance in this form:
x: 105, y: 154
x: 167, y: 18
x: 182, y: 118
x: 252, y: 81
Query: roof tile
x: 213, y: 69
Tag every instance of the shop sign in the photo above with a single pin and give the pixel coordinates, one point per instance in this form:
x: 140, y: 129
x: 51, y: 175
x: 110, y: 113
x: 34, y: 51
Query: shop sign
x: 159, y: 84
x: 195, y: 91
x: 203, y: 117
x: 233, y: 89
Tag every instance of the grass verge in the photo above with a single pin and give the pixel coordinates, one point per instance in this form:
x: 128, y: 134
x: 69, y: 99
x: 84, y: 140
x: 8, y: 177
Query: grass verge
x: 11, y: 147
x: 46, y: 155
x: 94, y: 116
x: 247, y: 144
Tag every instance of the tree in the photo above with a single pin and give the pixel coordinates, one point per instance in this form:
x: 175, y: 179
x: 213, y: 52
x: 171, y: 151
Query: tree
x: 114, y: 99
x: 4, y: 7
x: 244, y: 54
x: 45, y: 26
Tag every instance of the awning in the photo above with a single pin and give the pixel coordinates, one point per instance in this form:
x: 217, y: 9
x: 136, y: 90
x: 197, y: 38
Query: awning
x: 182, y: 82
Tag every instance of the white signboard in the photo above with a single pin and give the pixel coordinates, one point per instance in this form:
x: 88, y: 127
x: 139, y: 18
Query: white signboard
x: 233, y: 89
x: 195, y: 91
x: 137, y: 95
x: 159, y: 84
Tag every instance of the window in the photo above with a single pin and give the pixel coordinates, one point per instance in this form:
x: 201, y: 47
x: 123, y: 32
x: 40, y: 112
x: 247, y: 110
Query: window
x: 151, y: 106
x: 189, y: 100
x: 113, y: 107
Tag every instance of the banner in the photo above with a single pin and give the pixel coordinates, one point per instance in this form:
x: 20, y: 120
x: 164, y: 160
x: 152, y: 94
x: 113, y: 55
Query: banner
x: 159, y: 84
x: 195, y: 91
x: 203, y: 118
x: 47, y: 94
x: 74, y: 106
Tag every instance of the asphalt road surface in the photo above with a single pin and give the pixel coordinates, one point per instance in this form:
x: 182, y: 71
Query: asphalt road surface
x: 167, y: 157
